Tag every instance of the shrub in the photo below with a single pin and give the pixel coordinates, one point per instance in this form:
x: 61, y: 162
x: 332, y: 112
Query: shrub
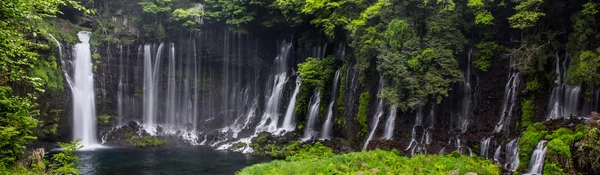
x: 376, y: 162
x: 16, y: 123
x: 66, y: 162
x: 145, y: 141
x: 103, y: 119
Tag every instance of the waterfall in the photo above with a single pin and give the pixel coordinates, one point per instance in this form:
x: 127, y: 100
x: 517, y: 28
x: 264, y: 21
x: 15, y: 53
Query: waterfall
x: 536, y: 164
x: 288, y: 121
x: 151, y: 80
x: 377, y: 116
x: 512, y: 155
x: 270, y: 118
x: 564, y: 100
x: 171, y: 114
x: 485, y: 146
x: 510, y: 96
x: 389, y: 124
x: 313, y: 114
x: 84, y: 115
x: 120, y: 88
x: 465, y: 113
x: 326, y: 130
x: 497, y: 153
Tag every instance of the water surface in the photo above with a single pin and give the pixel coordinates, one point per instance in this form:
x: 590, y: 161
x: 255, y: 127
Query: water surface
x: 151, y: 161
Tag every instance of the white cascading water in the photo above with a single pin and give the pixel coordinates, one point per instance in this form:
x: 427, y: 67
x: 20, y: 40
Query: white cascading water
x: 326, y: 129
x: 171, y: 114
x: 84, y: 114
x: 512, y: 155
x: 313, y: 114
x: 151, y: 81
x: 536, y: 164
x: 390, y: 124
x: 288, y: 120
x: 485, y: 146
x: 417, y: 145
x: 465, y: 113
x: 497, y: 154
x: 270, y: 118
x: 564, y: 100
x: 510, y: 96
x: 378, y: 115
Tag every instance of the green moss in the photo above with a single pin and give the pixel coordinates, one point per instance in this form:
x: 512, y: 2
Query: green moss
x: 528, y: 109
x: 362, y: 113
x: 145, y: 141
x: 375, y: 162
x: 340, y: 118
x: 48, y: 71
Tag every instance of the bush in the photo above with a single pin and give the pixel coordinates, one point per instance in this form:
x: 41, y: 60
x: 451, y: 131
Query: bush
x: 66, y: 162
x: 16, y: 123
x: 376, y: 162
x: 146, y: 141
x: 103, y: 119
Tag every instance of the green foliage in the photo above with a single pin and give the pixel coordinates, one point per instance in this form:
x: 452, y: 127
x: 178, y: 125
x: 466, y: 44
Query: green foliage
x: 482, y: 15
x: 533, y: 85
x: 66, y: 162
x: 528, y: 109
x: 365, y: 97
x: 49, y: 73
x: 315, y: 71
x: 585, y: 70
x: 485, y: 52
x: 376, y: 162
x: 528, y: 13
x: 559, y: 150
x: 145, y: 141
x: 587, y: 155
x: 103, y: 119
x: 16, y: 126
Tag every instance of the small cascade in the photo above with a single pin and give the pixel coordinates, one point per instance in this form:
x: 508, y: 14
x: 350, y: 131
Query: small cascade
x: 465, y: 113
x: 536, y: 165
x: 510, y: 96
x: 171, y: 88
x: 485, y: 146
x: 497, y: 154
x: 313, y: 114
x: 270, y: 118
x: 378, y: 115
x: 512, y: 155
x: 418, y: 145
x: 564, y: 100
x: 326, y: 129
x: 288, y: 120
x: 390, y: 123
x: 151, y: 80
x: 84, y: 114
x: 120, y: 87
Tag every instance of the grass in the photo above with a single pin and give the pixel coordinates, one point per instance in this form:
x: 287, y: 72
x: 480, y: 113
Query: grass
x: 376, y: 162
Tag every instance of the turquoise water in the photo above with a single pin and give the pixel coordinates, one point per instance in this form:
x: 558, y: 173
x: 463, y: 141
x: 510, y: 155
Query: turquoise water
x: 158, y: 161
